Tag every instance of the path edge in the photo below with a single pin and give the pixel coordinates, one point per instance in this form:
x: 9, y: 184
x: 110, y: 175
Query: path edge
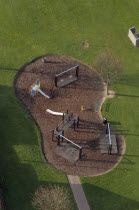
x: 78, y: 192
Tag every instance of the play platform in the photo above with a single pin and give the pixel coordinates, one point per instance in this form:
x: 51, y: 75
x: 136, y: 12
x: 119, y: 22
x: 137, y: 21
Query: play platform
x: 104, y: 144
x: 68, y: 152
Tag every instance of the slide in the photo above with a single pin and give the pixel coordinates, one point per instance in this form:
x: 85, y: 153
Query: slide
x: 40, y: 91
x: 55, y: 113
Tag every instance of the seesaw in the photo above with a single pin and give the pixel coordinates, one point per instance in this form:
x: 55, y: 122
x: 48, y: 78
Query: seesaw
x: 55, y: 113
x: 36, y: 88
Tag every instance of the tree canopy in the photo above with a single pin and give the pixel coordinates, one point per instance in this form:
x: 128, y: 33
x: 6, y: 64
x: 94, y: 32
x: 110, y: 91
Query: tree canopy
x: 52, y: 198
x: 108, y: 67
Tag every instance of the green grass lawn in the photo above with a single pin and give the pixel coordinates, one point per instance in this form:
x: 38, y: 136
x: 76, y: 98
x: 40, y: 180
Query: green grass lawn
x: 30, y: 28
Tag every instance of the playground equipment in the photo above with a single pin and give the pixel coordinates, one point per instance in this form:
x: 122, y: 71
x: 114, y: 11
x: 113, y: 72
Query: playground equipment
x: 67, y: 77
x: 110, y: 142
x: 76, y: 145
x: 83, y: 108
x: 55, y: 113
x: 105, y: 121
x: 44, y: 60
x: 58, y: 132
x: 68, y: 120
x: 36, y: 88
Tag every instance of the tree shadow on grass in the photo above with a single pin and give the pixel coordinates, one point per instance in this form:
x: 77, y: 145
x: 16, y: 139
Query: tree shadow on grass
x: 15, y: 119
x: 130, y: 80
x: 102, y: 199
x: 19, y: 179
x: 127, y: 161
x: 134, y: 96
x: 8, y: 68
x: 114, y: 123
x: 19, y: 182
x: 131, y: 155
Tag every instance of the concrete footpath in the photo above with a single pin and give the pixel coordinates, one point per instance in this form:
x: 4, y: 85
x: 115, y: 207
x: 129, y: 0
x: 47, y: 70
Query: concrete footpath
x: 78, y: 192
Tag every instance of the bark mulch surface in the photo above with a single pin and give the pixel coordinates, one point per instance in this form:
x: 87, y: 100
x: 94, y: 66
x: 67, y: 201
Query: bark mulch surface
x: 86, y: 91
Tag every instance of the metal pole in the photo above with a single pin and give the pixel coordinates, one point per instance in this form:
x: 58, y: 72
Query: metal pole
x: 70, y: 141
x: 110, y: 143
x: 77, y: 121
x: 77, y: 71
x: 107, y: 129
x: 109, y: 133
x: 63, y: 117
x: 58, y: 142
x: 80, y: 153
x: 74, y: 124
x: 56, y: 81
x: 62, y: 135
x: 66, y: 71
x: 110, y: 148
x: 71, y: 115
x: 52, y: 135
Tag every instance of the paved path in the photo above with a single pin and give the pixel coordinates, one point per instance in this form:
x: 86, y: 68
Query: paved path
x: 78, y: 192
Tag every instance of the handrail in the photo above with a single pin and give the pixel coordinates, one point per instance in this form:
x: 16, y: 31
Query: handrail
x: 66, y: 71
x: 70, y: 141
x: 109, y: 134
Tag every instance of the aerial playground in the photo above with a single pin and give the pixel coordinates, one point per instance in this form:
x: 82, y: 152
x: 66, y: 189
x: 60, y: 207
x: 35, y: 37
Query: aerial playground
x: 65, y: 98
